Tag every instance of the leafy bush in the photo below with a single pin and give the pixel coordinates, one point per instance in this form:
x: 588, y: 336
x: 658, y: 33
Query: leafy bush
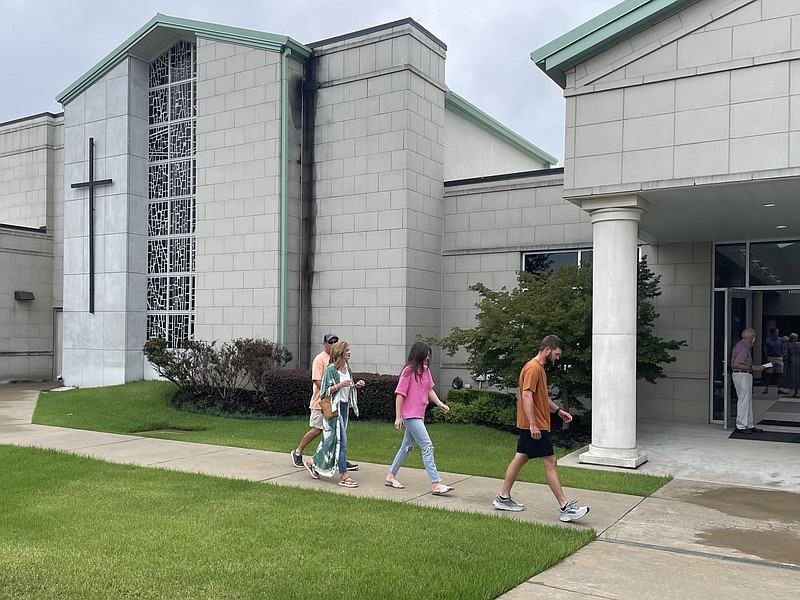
x: 512, y: 322
x: 499, y: 411
x: 223, y: 372
x: 481, y: 407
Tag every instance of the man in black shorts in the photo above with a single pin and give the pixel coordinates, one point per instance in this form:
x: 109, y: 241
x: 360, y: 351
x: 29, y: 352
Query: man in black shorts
x: 533, y: 421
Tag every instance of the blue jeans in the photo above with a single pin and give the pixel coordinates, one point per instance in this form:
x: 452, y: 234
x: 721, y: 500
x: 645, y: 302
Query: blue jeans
x: 416, y: 435
x: 344, y: 413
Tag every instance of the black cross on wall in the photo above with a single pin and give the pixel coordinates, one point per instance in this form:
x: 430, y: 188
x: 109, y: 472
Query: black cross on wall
x: 91, y: 184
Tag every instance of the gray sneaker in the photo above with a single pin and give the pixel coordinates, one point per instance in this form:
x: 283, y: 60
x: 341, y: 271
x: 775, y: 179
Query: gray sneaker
x: 572, y: 512
x: 297, y: 459
x: 507, y: 504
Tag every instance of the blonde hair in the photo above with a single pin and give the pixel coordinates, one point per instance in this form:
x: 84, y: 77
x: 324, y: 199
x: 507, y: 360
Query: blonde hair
x: 339, y: 354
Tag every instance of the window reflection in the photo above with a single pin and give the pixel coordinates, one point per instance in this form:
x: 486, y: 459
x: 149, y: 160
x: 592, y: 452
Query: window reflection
x: 775, y: 263
x: 549, y: 262
x: 729, y: 265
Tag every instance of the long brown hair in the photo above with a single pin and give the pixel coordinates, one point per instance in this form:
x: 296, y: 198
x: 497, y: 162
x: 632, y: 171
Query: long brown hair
x: 417, y: 356
x: 339, y: 354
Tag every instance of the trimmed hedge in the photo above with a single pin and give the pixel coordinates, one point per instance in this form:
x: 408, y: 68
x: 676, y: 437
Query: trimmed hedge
x: 499, y: 411
x: 287, y: 394
x: 481, y: 407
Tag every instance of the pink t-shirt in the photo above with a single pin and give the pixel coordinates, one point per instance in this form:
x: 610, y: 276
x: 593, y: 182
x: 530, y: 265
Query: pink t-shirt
x: 414, y: 388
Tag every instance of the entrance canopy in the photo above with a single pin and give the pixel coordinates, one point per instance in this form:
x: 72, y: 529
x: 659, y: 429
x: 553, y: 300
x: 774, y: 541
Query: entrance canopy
x: 751, y: 210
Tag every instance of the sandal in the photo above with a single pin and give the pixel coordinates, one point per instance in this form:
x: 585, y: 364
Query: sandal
x: 394, y: 484
x: 347, y: 482
x: 442, y: 490
x: 310, y: 467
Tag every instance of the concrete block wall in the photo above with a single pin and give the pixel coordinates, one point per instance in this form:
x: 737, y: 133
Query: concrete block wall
x: 470, y: 151
x: 238, y: 193
x: 55, y: 174
x: 379, y: 127
x: 684, y: 309
x: 709, y: 92
x: 27, y: 149
x: 29, y: 158
x: 105, y: 348
x: 26, y: 327
x: 487, y: 229
x: 32, y: 181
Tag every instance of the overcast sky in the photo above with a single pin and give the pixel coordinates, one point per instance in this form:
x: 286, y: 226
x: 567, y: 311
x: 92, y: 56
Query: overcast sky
x: 48, y: 44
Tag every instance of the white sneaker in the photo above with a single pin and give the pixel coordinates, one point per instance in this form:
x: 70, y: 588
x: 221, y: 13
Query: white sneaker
x: 507, y: 504
x: 572, y: 512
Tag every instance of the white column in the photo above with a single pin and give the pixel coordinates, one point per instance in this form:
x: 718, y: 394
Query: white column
x: 615, y: 228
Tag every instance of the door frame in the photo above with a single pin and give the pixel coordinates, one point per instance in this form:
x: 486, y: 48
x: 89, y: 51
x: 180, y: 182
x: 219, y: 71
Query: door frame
x: 731, y: 337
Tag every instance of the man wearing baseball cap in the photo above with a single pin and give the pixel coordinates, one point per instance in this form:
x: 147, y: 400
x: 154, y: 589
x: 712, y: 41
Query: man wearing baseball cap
x: 315, y: 421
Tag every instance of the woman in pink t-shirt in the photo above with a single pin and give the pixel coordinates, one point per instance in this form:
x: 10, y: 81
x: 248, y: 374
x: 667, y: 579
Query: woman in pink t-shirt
x: 414, y: 392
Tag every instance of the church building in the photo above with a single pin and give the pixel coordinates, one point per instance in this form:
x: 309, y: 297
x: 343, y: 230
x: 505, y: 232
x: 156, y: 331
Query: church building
x: 214, y: 182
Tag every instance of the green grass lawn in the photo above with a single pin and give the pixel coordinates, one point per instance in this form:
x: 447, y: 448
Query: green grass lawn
x: 78, y: 528
x: 144, y: 406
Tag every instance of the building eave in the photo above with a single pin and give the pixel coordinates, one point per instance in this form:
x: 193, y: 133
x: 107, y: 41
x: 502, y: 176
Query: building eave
x: 178, y: 28
x: 608, y: 29
x: 466, y: 110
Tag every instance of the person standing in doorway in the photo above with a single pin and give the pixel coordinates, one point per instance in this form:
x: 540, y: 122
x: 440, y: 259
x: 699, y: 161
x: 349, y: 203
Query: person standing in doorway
x: 743, y: 369
x: 315, y: 421
x: 792, y: 378
x: 413, y: 393
x: 773, y: 350
x: 533, y: 422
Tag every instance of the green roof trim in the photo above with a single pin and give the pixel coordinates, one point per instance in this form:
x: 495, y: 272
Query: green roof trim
x: 476, y: 116
x: 222, y: 33
x: 620, y: 22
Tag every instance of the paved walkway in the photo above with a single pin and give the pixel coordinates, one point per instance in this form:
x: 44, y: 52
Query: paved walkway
x: 694, y: 538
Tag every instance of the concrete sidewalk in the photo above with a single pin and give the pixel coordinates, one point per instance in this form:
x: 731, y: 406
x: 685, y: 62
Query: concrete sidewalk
x: 683, y: 542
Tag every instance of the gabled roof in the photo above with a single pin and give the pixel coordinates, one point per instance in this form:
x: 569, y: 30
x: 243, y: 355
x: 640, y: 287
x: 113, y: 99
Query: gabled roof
x: 619, y: 23
x: 466, y: 110
x: 162, y: 31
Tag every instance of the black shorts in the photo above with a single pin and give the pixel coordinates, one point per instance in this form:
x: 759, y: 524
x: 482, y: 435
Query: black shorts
x: 535, y: 448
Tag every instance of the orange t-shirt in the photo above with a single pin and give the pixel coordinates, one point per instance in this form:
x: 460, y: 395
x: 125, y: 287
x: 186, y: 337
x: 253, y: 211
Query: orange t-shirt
x: 533, y: 378
x: 318, y: 367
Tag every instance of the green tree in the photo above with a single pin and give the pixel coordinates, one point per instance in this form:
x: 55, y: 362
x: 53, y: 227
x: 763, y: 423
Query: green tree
x: 511, y: 324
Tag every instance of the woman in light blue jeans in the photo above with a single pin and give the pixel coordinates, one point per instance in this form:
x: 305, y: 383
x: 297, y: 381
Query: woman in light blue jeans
x: 413, y: 393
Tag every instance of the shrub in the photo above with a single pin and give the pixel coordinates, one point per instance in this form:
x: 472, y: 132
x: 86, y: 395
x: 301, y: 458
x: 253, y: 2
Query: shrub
x: 376, y: 399
x: 499, y: 411
x: 223, y: 372
x: 481, y: 407
x: 288, y: 393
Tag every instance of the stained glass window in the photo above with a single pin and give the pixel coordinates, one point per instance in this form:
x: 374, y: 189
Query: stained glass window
x: 171, y: 191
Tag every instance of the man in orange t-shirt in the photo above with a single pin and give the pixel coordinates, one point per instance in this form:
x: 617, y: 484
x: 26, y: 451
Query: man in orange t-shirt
x: 533, y: 422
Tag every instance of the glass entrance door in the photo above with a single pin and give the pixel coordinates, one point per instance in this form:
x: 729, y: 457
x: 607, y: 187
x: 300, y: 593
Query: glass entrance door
x: 733, y: 313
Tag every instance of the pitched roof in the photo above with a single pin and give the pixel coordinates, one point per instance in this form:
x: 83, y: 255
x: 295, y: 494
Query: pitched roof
x: 466, y: 110
x: 162, y: 31
x: 619, y: 23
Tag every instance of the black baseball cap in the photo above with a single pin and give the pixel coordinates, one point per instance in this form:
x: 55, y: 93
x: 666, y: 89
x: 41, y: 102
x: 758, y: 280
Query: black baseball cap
x: 330, y: 336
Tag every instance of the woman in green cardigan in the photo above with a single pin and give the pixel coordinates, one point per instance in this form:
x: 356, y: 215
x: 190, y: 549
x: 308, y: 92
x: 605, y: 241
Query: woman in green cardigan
x: 339, y: 388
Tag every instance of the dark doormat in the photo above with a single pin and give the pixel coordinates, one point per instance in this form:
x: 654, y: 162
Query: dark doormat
x: 779, y: 423
x: 768, y: 436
